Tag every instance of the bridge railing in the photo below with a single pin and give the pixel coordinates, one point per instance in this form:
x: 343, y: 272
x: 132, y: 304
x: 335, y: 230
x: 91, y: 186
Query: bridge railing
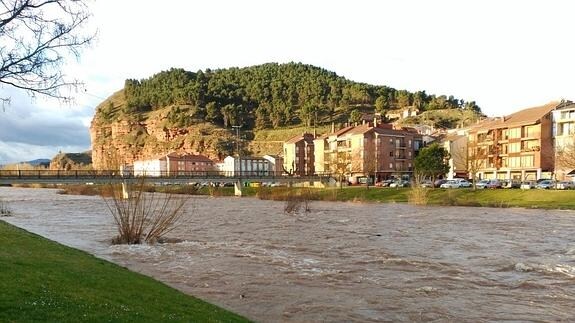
x: 114, y: 174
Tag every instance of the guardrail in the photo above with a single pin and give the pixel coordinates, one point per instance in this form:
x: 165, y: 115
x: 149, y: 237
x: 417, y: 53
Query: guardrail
x: 79, y: 176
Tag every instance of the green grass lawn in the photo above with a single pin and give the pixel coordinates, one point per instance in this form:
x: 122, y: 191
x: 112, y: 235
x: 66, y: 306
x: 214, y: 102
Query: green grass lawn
x: 545, y: 199
x: 41, y: 280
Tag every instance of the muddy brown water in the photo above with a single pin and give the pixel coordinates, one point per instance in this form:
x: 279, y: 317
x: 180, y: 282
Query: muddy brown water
x: 341, y: 262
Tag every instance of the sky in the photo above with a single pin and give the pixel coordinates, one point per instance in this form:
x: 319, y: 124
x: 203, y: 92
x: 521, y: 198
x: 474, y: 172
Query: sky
x: 505, y: 55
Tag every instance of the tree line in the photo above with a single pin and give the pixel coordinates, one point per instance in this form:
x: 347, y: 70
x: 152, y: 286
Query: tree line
x: 270, y: 95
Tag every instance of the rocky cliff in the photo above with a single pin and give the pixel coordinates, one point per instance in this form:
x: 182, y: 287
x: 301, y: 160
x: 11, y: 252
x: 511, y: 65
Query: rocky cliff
x: 122, y: 141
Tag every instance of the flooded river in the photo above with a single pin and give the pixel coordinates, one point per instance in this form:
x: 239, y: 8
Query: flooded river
x: 341, y: 262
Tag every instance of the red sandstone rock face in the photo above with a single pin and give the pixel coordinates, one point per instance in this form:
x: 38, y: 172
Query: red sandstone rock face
x: 123, y: 142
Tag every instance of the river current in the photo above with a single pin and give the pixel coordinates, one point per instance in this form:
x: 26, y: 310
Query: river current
x: 341, y: 262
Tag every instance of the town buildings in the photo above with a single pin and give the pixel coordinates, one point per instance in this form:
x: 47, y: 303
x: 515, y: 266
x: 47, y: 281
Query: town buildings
x: 299, y: 155
x: 172, y: 165
x: 564, y: 139
x: 246, y: 166
x: 518, y: 146
x: 357, y: 152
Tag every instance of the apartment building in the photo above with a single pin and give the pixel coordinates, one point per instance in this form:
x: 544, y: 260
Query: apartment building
x: 246, y: 166
x: 518, y: 146
x: 379, y: 151
x: 564, y: 139
x: 172, y: 165
x: 298, y: 156
x: 455, y: 143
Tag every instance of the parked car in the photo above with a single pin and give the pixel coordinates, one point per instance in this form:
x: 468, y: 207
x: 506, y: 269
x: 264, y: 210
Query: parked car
x: 462, y: 182
x: 527, y: 185
x: 565, y: 185
x: 456, y: 183
x: 494, y: 183
x: 384, y: 183
x: 438, y: 182
x: 510, y: 183
x: 426, y: 183
x: 482, y: 184
x: 546, y: 184
x: 399, y: 183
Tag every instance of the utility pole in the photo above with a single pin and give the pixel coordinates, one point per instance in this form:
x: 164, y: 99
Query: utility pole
x: 239, y: 184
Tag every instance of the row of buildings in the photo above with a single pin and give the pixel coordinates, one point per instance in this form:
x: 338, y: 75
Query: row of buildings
x: 526, y: 145
x: 530, y: 144
x: 521, y: 146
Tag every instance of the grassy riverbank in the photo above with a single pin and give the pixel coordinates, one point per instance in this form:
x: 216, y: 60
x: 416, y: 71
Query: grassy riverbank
x: 45, y: 281
x: 545, y: 199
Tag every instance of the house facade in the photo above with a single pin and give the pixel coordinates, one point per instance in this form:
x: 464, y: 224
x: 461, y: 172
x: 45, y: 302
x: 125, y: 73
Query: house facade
x: 276, y: 164
x: 455, y: 143
x: 564, y: 139
x: 298, y: 156
x: 172, y: 165
x: 380, y: 152
x: 518, y: 146
x: 246, y: 165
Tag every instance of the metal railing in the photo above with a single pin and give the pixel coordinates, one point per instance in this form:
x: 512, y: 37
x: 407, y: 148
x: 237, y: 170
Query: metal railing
x: 31, y: 176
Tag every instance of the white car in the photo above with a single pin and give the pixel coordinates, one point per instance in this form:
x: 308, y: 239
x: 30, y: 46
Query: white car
x: 450, y: 184
x: 456, y: 183
x: 527, y: 185
x: 482, y: 183
x: 564, y: 185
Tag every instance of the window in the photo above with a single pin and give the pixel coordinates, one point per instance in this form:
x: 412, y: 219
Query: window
x: 515, y: 147
x: 531, y: 145
x: 531, y: 132
x: 514, y: 133
x: 514, y: 161
x: 527, y: 161
x: 390, y: 165
x: 391, y: 154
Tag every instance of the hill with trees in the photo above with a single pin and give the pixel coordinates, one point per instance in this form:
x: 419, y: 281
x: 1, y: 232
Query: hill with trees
x: 268, y: 96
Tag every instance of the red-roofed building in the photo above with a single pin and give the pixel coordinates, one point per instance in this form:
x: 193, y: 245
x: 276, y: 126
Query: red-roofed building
x: 298, y: 156
x: 518, y: 146
x: 367, y: 151
x: 172, y: 165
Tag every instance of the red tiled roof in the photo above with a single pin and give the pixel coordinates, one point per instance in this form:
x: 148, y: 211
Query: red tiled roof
x: 299, y: 138
x: 523, y: 117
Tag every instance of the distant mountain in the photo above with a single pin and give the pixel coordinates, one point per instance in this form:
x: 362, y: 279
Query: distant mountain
x: 38, y: 162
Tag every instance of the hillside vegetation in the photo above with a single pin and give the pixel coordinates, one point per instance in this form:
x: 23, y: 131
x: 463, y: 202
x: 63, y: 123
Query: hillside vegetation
x: 262, y: 97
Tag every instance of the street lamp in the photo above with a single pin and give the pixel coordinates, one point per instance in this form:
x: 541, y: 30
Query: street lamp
x: 238, y: 148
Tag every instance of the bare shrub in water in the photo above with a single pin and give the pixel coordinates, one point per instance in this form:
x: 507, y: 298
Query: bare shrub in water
x: 144, y: 216
x: 5, y: 209
x: 298, y: 200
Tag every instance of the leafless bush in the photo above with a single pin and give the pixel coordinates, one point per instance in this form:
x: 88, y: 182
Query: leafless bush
x: 80, y: 190
x: 144, y: 216
x: 298, y: 200
x: 214, y: 190
x: 5, y: 209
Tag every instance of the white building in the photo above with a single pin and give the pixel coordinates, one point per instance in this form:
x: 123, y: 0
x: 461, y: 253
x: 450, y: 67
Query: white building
x: 150, y: 167
x: 173, y: 165
x: 564, y: 137
x: 246, y: 165
x: 276, y: 164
